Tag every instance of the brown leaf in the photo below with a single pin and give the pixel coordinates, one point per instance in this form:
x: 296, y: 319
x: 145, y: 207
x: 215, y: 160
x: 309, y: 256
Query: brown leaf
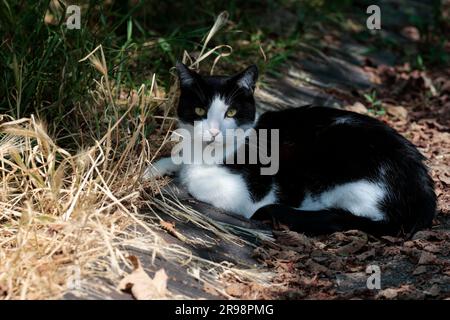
x: 389, y: 293
x: 434, y: 290
x: 432, y: 248
x: 289, y: 255
x: 445, y: 178
x: 392, y: 239
x: 429, y: 235
x: 357, y: 244
x: 419, y: 270
x: 170, y: 228
x: 398, y: 112
x: 427, y: 258
x: 294, y: 239
x: 337, y: 264
x: 357, y: 107
x: 365, y: 255
x: 236, y: 289
x: 141, y: 286
x: 316, y: 267
x: 392, y: 293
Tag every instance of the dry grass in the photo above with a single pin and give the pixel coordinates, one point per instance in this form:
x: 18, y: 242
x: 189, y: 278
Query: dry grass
x: 67, y: 217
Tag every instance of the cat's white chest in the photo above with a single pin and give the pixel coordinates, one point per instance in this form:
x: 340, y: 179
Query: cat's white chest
x: 221, y: 188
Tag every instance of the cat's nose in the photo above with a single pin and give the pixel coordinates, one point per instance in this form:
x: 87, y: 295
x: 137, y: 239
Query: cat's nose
x: 214, y: 132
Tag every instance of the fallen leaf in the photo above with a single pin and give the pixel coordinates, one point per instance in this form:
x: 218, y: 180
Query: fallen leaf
x: 392, y: 293
x: 429, y: 235
x: 388, y: 293
x: 427, y: 258
x: 315, y: 267
x: 236, y: 289
x: 142, y: 286
x: 392, y: 239
x: 289, y: 255
x: 419, y: 270
x: 357, y: 107
x: 299, y: 241
x: 355, y: 245
x: 445, y: 178
x: 409, y: 244
x: 433, y: 291
x: 337, y: 264
x: 365, y: 255
x: 170, y: 228
x: 432, y: 248
x: 398, y: 112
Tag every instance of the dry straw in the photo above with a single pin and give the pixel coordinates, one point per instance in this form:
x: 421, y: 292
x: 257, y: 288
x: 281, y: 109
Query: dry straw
x: 69, y: 219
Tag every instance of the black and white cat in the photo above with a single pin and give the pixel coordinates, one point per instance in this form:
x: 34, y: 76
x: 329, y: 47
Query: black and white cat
x: 338, y: 170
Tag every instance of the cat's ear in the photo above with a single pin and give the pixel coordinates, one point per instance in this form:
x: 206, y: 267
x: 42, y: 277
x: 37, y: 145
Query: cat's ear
x: 186, y: 75
x: 247, y: 79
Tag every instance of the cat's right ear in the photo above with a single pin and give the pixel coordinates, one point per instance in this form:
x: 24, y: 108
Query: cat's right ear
x: 186, y: 75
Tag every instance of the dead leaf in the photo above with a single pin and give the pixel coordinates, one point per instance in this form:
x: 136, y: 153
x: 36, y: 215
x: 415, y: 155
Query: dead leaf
x: 427, y: 258
x: 389, y: 293
x: 419, y: 270
x: 432, y: 248
x: 365, y: 255
x: 398, y: 112
x: 357, y: 107
x: 315, y: 267
x: 236, y: 289
x: 445, y: 178
x: 289, y: 255
x: 170, y: 228
x: 299, y: 241
x: 392, y: 293
x: 429, y: 235
x: 141, y: 286
x: 355, y: 245
x: 433, y: 291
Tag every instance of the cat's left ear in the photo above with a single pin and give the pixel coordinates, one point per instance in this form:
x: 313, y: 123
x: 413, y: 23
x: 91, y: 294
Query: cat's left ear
x: 247, y: 79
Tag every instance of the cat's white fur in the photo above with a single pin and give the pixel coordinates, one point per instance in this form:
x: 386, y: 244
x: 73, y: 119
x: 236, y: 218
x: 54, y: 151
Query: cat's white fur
x: 361, y: 198
x: 221, y: 188
x: 162, y: 167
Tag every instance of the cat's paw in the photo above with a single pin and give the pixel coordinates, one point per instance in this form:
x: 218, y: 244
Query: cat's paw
x: 162, y: 167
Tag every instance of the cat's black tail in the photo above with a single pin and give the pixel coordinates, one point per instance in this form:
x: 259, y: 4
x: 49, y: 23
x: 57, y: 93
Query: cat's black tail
x: 323, y: 221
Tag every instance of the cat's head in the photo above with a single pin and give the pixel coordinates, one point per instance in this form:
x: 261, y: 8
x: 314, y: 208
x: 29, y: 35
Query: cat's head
x: 217, y: 102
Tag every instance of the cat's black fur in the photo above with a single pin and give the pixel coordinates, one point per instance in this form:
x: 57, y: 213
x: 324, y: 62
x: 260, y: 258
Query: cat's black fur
x: 321, y: 148
x: 316, y: 153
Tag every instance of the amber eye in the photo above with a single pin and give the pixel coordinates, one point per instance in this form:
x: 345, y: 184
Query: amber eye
x: 231, y: 113
x: 200, y: 111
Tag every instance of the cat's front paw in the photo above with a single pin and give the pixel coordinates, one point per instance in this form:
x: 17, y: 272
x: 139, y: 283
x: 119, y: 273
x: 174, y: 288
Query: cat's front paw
x: 162, y: 167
